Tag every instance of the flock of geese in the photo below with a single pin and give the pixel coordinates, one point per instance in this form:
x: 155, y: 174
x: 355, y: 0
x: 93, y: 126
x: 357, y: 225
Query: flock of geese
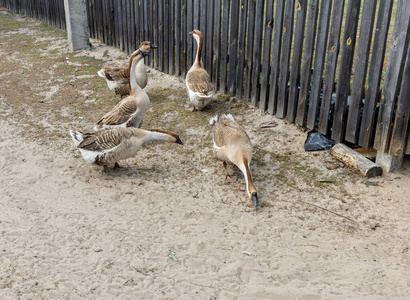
x: 118, y: 134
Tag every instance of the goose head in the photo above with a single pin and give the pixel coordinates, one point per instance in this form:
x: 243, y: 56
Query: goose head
x: 196, y: 34
x: 147, y: 46
x: 164, y: 135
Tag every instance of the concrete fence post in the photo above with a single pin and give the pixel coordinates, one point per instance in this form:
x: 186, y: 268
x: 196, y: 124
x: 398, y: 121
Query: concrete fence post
x: 77, y: 24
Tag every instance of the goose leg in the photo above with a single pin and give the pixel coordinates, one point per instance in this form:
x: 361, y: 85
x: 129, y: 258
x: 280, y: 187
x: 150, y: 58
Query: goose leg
x: 106, y: 170
x: 228, y: 178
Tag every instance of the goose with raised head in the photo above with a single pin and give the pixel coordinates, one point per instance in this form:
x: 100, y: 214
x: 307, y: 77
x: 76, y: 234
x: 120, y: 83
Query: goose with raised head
x: 130, y: 111
x: 198, y: 81
x: 116, y: 73
x: 107, y: 146
x: 231, y: 144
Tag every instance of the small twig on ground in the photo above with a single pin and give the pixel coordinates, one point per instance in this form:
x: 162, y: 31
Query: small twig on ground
x: 268, y: 124
x: 328, y: 211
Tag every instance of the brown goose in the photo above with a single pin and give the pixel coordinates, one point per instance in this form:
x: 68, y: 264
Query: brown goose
x: 107, y: 146
x: 129, y: 112
x: 232, y: 144
x: 116, y: 73
x: 198, y: 81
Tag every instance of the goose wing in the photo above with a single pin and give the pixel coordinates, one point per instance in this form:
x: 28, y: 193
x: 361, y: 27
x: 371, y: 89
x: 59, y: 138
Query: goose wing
x: 227, y: 132
x: 105, y: 139
x: 116, y: 72
x: 199, y: 81
x: 121, y: 113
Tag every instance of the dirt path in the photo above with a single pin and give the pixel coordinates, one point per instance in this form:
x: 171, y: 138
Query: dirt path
x: 70, y: 231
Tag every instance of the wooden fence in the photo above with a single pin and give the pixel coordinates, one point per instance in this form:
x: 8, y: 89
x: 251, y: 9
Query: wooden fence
x: 320, y: 64
x: 48, y: 11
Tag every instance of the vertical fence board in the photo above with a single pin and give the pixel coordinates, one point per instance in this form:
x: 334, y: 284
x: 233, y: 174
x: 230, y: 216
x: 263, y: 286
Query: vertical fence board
x: 242, y: 46
x: 209, y: 36
x: 346, y: 64
x: 391, y: 79
x: 190, y: 25
x: 167, y: 30
x: 301, y: 11
x: 160, y: 13
x: 269, y: 21
x: 224, y: 43
x: 216, y: 45
x: 331, y: 64
x: 360, y: 71
x: 233, y: 46
x: 307, y: 63
x: 375, y: 73
x: 257, y: 52
x: 178, y: 11
x: 320, y: 54
x: 401, y: 122
x: 285, y: 59
x: 249, y: 49
x: 148, y: 27
x: 184, y: 37
x: 171, y: 36
x: 203, y: 29
x: 129, y: 29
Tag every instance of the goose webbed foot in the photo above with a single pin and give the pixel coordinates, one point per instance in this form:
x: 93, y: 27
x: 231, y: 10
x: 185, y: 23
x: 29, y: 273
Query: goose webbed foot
x: 229, y: 178
x: 193, y: 108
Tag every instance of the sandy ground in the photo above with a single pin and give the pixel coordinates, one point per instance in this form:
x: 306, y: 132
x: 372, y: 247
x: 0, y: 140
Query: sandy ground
x: 70, y: 231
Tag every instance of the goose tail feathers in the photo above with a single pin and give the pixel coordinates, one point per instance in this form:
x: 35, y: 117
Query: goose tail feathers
x: 215, y: 119
x: 101, y: 73
x: 77, y: 137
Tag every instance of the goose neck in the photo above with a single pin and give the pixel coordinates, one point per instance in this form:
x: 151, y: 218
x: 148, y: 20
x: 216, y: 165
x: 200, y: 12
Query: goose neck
x: 132, y: 80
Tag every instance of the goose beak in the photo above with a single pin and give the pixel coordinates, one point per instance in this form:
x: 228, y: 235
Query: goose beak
x: 191, y: 32
x: 178, y: 141
x: 254, y: 198
x: 153, y: 46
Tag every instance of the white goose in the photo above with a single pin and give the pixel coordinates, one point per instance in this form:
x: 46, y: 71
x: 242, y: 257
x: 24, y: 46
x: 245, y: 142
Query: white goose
x: 198, y: 81
x: 130, y: 111
x: 116, y: 74
x: 106, y: 147
x: 232, y: 144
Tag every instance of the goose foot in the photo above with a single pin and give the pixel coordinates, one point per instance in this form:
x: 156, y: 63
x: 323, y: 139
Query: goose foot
x: 118, y: 167
x: 193, y: 108
x: 230, y: 179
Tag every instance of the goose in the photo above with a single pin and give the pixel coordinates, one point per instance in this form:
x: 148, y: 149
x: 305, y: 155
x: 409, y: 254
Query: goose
x: 232, y: 144
x: 116, y: 74
x: 107, y: 146
x: 198, y: 81
x: 130, y: 111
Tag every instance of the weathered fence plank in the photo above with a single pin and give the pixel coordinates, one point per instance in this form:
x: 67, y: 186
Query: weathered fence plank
x: 320, y: 53
x: 307, y: 63
x: 216, y: 44
x: 257, y: 52
x: 209, y: 36
x: 167, y: 31
x: 171, y: 44
x: 233, y: 46
x: 267, y: 43
x: 285, y: 59
x: 249, y: 49
x: 190, y: 27
x: 301, y: 11
x: 242, y: 48
x: 375, y: 73
x: 160, y: 45
x: 184, y: 37
x: 178, y: 10
x: 346, y: 63
x: 401, y: 120
x: 224, y: 45
x: 360, y: 71
x: 331, y: 65
x: 391, y: 79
